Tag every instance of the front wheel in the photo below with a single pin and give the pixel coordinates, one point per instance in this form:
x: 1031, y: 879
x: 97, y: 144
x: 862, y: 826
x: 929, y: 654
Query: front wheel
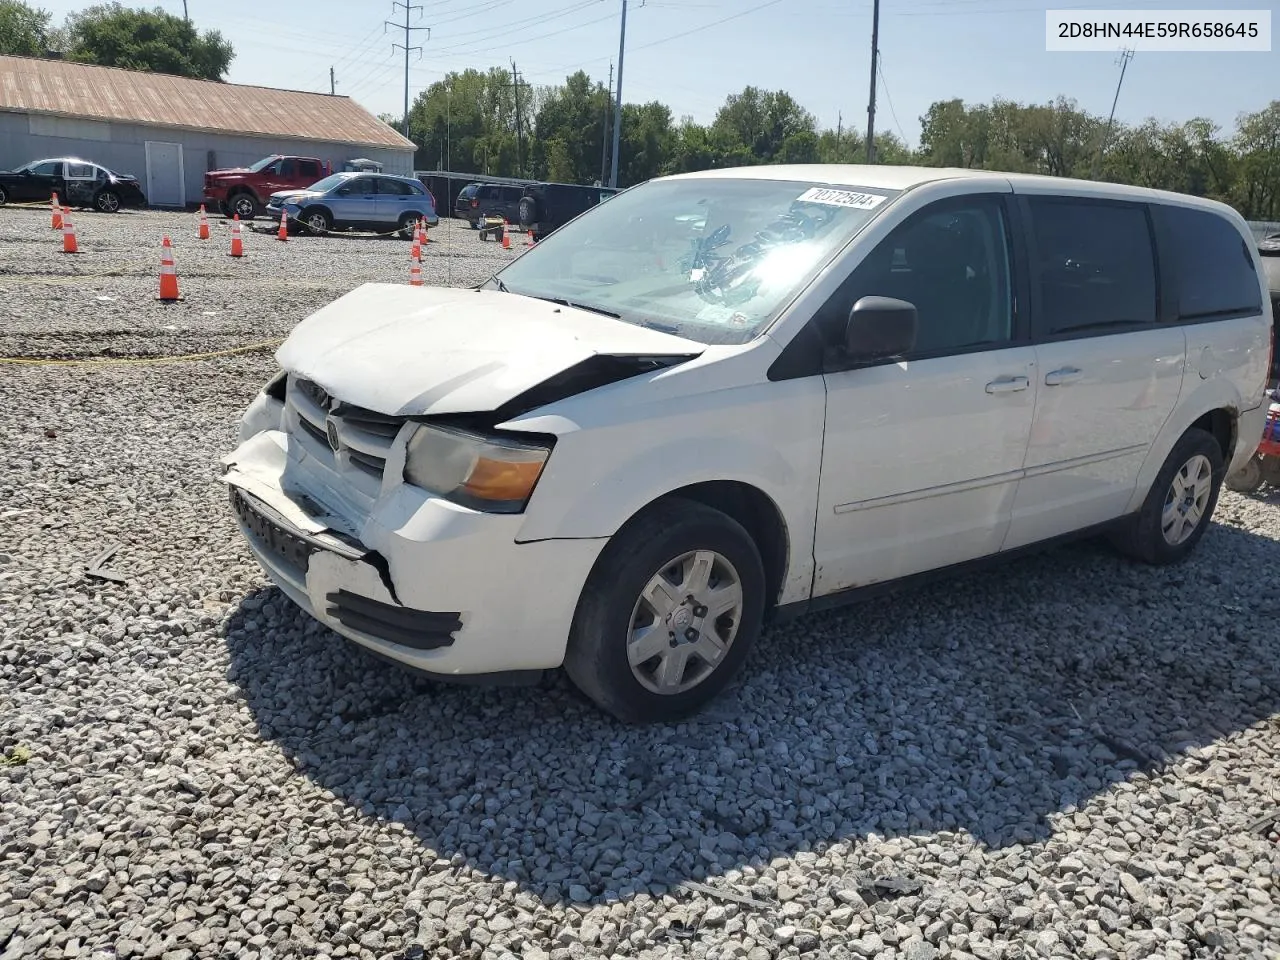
x: 1248, y: 479
x: 317, y: 221
x: 108, y: 201
x: 1178, y: 506
x: 4, y: 197
x: 669, y: 613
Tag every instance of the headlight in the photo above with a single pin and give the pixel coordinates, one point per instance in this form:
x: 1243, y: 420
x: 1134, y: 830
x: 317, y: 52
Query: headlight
x: 493, y: 474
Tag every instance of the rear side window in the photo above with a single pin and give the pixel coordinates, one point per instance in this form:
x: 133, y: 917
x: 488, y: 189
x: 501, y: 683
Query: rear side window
x: 392, y: 188
x: 1213, y: 271
x: 309, y: 168
x: 1095, y: 266
x: 511, y: 194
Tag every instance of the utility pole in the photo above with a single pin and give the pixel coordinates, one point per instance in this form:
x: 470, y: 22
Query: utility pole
x: 1125, y: 56
x: 871, y: 106
x: 604, y: 136
x: 617, y: 107
x: 405, y: 46
x: 515, y: 86
x: 839, y: 132
x: 332, y: 86
x: 184, y: 13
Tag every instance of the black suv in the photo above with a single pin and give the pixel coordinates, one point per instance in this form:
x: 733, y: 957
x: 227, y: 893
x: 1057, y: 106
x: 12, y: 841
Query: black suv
x: 546, y: 206
x: 479, y: 200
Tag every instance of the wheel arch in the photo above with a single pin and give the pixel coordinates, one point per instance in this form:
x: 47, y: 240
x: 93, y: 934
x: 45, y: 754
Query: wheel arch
x: 1214, y: 407
x: 749, y: 506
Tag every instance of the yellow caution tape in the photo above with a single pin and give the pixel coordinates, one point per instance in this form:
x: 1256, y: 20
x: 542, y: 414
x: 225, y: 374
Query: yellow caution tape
x: 178, y: 358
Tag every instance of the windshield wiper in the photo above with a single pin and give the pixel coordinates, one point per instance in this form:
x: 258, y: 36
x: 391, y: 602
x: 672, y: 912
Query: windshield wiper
x: 582, y: 306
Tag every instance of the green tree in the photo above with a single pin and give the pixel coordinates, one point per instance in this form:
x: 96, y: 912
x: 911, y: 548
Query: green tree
x: 24, y: 30
x: 112, y: 35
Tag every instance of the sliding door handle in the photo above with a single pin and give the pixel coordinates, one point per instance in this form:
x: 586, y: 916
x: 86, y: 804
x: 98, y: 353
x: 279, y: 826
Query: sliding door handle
x: 1008, y: 385
x: 1064, y: 375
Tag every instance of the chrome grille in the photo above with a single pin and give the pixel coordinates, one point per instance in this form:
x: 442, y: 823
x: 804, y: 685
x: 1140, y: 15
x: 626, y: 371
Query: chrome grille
x: 364, y: 437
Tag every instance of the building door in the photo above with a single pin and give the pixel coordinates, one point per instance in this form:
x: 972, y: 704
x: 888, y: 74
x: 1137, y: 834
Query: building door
x: 166, y: 185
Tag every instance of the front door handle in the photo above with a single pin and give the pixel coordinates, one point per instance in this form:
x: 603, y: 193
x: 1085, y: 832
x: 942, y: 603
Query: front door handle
x: 1008, y: 385
x: 1057, y: 378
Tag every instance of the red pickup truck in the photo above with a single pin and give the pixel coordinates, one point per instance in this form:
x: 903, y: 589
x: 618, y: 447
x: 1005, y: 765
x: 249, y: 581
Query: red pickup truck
x: 245, y: 190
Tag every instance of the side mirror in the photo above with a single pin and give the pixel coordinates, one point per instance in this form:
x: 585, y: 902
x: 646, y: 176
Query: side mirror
x: 880, y: 328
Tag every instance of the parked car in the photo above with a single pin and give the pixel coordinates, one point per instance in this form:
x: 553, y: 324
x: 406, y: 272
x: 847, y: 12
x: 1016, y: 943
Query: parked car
x: 737, y: 395
x: 357, y: 201
x: 243, y: 191
x: 479, y: 200
x: 1269, y: 249
x: 77, y: 182
x: 548, y: 206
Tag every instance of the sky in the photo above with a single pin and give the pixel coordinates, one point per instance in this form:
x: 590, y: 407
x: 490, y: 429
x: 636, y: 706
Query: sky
x: 691, y: 54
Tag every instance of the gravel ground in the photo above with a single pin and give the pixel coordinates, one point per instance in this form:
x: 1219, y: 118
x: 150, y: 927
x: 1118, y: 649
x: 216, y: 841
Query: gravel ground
x: 1070, y: 757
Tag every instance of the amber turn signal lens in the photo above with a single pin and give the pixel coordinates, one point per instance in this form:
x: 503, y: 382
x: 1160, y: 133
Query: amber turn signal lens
x: 503, y: 480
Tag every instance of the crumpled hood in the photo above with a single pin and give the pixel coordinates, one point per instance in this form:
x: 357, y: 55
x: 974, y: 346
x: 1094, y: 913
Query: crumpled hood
x: 415, y: 351
x: 287, y: 195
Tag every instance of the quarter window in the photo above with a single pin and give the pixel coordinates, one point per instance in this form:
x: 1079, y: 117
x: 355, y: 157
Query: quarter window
x: 951, y: 261
x: 1095, y: 265
x: 1213, y: 272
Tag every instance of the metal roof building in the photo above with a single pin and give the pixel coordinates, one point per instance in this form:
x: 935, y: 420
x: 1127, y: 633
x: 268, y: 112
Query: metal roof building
x: 168, y: 131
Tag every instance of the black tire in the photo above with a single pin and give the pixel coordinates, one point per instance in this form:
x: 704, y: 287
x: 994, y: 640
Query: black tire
x: 317, y: 221
x: 528, y: 212
x: 4, y: 197
x: 596, y: 659
x: 1142, y: 536
x: 246, y: 205
x: 1248, y: 479
x: 1270, y: 470
x: 407, y: 221
x: 107, y: 201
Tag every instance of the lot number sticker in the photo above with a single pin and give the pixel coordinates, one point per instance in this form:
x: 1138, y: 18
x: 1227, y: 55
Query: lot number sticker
x: 842, y: 198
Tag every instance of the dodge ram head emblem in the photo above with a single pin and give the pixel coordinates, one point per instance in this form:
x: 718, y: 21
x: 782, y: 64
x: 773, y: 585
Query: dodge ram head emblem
x: 331, y: 431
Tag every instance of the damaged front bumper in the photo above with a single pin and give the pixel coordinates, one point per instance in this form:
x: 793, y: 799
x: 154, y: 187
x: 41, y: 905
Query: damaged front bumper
x: 438, y: 587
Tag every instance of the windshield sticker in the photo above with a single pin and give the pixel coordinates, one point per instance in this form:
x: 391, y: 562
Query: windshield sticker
x: 842, y: 198
x: 715, y: 313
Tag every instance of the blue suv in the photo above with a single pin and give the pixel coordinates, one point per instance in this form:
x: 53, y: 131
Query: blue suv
x: 357, y: 201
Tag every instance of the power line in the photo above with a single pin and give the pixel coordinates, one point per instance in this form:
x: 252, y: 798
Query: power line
x: 407, y: 32
x: 893, y: 113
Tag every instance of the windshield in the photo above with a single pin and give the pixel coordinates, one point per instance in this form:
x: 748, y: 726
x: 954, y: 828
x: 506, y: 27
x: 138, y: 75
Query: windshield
x: 328, y: 183
x: 713, y: 260
x: 264, y: 163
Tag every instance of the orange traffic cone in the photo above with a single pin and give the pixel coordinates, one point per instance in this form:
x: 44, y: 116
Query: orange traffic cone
x: 237, y: 244
x: 57, y: 212
x: 425, y: 238
x: 415, y: 272
x: 415, y: 252
x: 506, y: 235
x: 283, y: 232
x: 204, y: 224
x: 528, y: 238
x: 68, y: 235
x: 168, y: 273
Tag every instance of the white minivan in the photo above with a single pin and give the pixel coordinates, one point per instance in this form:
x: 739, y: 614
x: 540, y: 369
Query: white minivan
x: 735, y: 395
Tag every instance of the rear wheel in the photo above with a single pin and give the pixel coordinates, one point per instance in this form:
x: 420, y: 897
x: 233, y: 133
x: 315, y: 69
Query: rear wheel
x: 4, y: 197
x: 669, y: 613
x: 408, y: 223
x: 1180, y: 503
x: 245, y: 205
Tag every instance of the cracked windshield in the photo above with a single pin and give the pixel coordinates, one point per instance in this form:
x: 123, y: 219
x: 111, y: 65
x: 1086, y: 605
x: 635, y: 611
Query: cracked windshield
x: 713, y: 261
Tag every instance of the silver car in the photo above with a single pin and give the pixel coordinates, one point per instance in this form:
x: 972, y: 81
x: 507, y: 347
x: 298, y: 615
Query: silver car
x: 357, y: 201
